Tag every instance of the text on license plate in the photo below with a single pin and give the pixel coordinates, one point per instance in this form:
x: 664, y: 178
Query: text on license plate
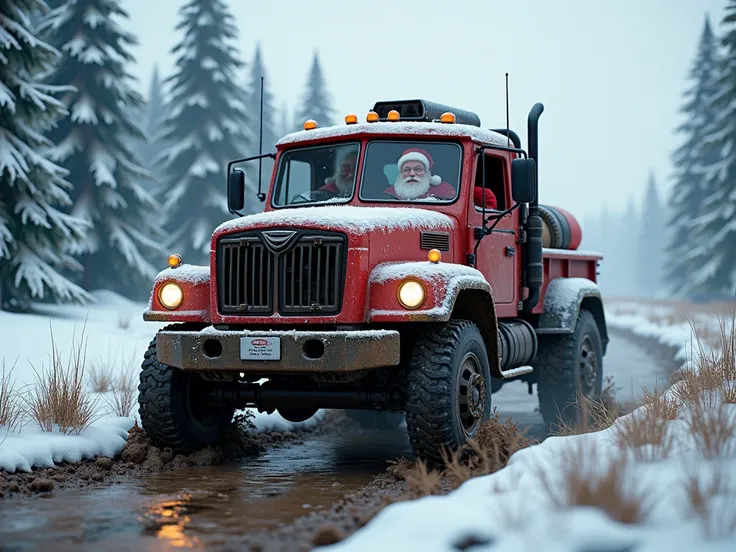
x: 260, y: 348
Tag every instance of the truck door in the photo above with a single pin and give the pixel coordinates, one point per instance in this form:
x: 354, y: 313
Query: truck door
x: 498, y: 254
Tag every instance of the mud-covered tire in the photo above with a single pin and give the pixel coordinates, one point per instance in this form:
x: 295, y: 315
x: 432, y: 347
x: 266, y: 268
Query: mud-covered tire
x: 568, y: 364
x: 172, y: 408
x: 370, y: 419
x: 436, y: 417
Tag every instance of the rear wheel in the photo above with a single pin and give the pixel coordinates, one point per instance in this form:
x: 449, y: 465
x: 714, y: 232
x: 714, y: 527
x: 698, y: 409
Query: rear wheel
x: 570, y: 367
x: 175, y: 407
x: 449, y: 389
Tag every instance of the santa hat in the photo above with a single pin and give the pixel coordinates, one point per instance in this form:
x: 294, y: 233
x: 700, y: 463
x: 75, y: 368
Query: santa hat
x: 418, y: 154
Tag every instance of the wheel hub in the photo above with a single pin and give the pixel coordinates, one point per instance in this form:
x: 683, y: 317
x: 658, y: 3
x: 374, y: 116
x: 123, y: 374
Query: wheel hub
x: 476, y: 391
x: 588, y: 367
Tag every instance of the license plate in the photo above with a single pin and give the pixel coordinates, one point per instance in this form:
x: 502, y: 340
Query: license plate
x: 260, y: 348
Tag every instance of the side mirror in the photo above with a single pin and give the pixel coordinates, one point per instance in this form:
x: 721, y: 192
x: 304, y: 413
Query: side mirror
x: 236, y: 190
x: 523, y: 180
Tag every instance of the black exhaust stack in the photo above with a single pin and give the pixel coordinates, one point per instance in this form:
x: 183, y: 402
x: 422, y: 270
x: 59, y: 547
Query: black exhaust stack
x: 534, y: 266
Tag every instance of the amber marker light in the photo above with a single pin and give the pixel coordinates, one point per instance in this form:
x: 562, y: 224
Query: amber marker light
x: 175, y: 260
x: 351, y: 119
x: 372, y: 117
x: 393, y: 115
x: 447, y: 117
x: 311, y: 124
x: 434, y: 255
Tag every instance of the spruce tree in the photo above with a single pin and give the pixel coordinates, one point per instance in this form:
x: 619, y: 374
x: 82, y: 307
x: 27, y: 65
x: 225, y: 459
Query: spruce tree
x: 95, y: 144
x: 253, y: 107
x: 153, y: 116
x: 316, y: 103
x: 206, y: 124
x: 286, y: 126
x: 652, y: 242
x: 716, y: 228
x: 685, y: 254
x: 35, y: 235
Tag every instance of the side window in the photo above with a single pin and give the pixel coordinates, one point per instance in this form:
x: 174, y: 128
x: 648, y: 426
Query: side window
x: 494, y: 179
x: 297, y: 180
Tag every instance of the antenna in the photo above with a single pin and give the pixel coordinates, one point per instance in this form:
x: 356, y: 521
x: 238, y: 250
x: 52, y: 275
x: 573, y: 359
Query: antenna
x: 508, y: 130
x: 261, y: 195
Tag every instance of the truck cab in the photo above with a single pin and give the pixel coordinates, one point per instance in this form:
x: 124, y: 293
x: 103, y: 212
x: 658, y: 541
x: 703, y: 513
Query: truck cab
x: 401, y: 265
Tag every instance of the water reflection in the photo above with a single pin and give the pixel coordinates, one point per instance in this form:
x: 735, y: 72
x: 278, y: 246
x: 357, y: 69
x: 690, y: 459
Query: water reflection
x: 203, y: 507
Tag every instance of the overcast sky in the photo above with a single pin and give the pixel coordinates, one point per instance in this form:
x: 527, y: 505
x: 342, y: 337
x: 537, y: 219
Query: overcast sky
x: 610, y: 74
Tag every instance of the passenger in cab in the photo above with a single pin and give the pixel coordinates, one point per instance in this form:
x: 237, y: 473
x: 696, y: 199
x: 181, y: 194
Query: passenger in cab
x: 341, y: 183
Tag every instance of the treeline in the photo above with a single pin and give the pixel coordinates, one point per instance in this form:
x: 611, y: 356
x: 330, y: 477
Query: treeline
x: 685, y: 246
x: 97, y: 183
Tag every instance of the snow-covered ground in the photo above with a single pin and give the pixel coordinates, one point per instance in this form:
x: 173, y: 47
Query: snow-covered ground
x: 523, y: 506
x: 115, y: 339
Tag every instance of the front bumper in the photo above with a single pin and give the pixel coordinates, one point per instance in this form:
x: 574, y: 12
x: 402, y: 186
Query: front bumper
x: 298, y: 352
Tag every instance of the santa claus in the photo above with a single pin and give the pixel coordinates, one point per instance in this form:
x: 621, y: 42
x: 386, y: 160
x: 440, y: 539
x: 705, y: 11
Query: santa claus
x: 415, y: 179
x: 341, y: 183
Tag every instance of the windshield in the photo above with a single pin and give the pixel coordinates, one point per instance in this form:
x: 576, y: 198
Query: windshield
x: 411, y: 171
x: 324, y: 174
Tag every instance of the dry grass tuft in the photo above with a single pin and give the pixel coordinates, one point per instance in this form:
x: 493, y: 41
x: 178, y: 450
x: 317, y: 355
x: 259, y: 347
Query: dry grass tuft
x: 646, y: 432
x: 59, y: 397
x: 11, y: 410
x: 586, y: 483
x: 422, y: 481
x: 594, y: 414
x: 100, y: 377
x: 490, y: 451
x: 710, y: 500
x: 714, y: 430
x: 124, y: 392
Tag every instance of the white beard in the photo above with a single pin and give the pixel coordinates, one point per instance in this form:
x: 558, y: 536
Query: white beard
x: 343, y: 185
x: 411, y: 190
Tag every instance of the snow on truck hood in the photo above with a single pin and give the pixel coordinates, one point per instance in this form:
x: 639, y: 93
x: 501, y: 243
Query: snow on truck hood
x: 357, y: 220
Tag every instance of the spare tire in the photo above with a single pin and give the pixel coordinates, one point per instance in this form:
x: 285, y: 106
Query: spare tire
x: 560, y: 230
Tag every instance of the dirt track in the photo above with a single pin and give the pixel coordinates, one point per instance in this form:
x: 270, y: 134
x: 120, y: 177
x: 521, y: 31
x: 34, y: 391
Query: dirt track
x: 289, y: 490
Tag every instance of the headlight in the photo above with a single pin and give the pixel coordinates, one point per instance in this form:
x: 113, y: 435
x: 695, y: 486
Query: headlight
x: 170, y: 295
x: 411, y: 294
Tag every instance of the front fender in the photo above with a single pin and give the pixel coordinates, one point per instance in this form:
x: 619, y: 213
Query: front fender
x: 442, y: 284
x: 195, y: 285
x: 563, y: 299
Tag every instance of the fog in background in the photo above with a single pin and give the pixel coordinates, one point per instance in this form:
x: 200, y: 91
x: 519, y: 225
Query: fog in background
x: 610, y: 74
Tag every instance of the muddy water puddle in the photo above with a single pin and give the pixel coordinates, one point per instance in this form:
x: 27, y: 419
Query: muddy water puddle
x: 199, y: 507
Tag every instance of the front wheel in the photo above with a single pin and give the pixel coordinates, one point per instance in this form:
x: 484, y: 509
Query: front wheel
x: 175, y: 407
x: 449, y: 390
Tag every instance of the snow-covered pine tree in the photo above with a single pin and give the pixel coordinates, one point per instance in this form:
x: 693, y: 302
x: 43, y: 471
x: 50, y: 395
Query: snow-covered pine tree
x: 685, y: 254
x: 253, y: 107
x: 206, y: 125
x: 34, y: 233
x: 316, y: 103
x: 286, y: 125
x: 651, y: 243
x: 95, y: 144
x: 716, y: 227
x: 153, y: 117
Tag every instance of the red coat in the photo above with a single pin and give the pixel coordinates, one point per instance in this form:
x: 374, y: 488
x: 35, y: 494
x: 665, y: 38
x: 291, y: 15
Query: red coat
x: 478, y: 193
x: 441, y: 191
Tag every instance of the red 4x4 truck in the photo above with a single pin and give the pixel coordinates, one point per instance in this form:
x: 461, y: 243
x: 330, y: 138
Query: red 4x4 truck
x: 342, y: 295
